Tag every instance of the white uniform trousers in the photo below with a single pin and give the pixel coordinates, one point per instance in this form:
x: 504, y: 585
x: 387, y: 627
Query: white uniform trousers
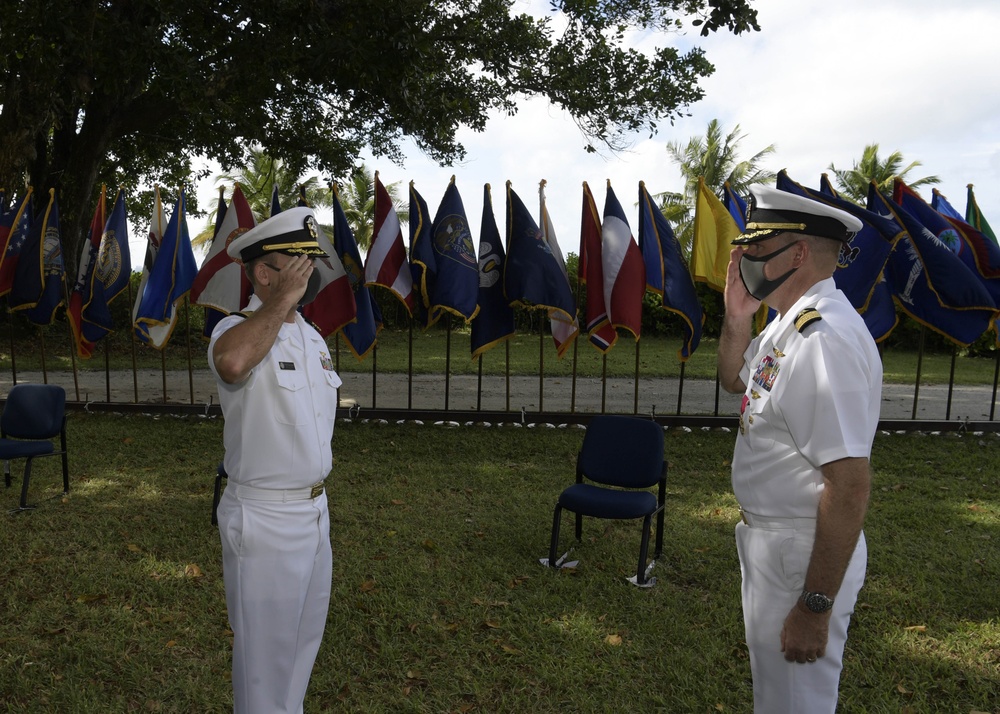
x: 277, y: 566
x: 773, y: 562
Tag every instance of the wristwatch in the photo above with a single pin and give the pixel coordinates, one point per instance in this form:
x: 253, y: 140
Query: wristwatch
x: 816, y: 602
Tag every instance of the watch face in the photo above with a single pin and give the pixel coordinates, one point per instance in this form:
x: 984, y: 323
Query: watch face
x: 817, y: 602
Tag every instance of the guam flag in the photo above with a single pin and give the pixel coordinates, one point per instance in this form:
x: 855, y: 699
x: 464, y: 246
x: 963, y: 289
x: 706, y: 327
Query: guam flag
x: 456, y: 283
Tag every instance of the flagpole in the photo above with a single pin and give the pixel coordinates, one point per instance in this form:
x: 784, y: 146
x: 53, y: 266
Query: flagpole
x: 541, y: 365
x: 163, y: 371
x: 10, y: 333
x: 374, y: 373
x: 479, y: 386
x: 187, y: 328
x: 680, y: 388
x: 45, y: 372
x: 506, y: 345
x: 447, y: 360
x: 107, y: 367
x: 604, y: 382
x: 131, y: 329
x: 920, y: 364
x: 409, y: 369
x: 951, y: 381
x: 635, y: 406
x: 716, y: 391
x: 72, y: 347
x: 996, y: 378
x: 572, y: 391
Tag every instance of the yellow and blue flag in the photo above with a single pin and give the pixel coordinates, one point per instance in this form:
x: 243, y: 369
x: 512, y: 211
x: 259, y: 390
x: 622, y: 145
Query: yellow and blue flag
x: 15, y: 223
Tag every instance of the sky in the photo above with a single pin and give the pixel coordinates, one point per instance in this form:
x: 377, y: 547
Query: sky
x: 820, y: 81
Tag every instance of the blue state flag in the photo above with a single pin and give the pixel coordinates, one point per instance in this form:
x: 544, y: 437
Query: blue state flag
x: 736, y: 206
x: 980, y: 256
x: 940, y: 204
x: 423, y: 265
x: 171, y: 276
x: 360, y: 334
x: 863, y: 258
x: 533, y: 277
x: 826, y: 187
x: 456, y: 283
x: 929, y: 282
x: 667, y: 272
x: 495, y: 321
x: 15, y: 224
x: 275, y: 203
x: 38, y: 279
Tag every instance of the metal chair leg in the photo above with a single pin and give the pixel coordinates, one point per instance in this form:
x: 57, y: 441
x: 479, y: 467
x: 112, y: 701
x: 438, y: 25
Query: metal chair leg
x: 643, y: 550
x: 554, y: 544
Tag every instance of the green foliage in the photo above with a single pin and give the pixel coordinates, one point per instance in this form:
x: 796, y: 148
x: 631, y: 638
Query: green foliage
x: 853, y: 184
x: 715, y: 158
x: 114, y: 602
x: 129, y: 92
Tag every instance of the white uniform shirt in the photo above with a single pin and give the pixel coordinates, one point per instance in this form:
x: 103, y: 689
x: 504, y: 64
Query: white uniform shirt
x: 812, y: 397
x: 279, y: 420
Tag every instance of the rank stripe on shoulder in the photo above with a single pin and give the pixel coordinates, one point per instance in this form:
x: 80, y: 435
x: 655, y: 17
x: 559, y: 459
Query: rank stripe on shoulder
x: 806, y: 318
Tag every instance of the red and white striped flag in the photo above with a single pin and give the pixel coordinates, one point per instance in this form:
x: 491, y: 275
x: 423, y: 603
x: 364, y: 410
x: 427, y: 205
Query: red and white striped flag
x: 386, y: 264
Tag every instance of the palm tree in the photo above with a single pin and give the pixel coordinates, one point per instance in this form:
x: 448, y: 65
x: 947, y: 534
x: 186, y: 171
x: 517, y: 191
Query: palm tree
x: 357, y: 198
x: 257, y: 180
x: 853, y: 184
x: 715, y: 157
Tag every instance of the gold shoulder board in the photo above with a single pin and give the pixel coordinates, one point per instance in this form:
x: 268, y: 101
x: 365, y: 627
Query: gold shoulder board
x: 806, y: 318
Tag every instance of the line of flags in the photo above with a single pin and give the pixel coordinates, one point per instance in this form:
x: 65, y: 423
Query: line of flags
x: 939, y: 266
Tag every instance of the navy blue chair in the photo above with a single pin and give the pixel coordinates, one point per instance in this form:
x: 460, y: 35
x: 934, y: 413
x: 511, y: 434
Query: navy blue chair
x: 33, y: 415
x: 620, y: 460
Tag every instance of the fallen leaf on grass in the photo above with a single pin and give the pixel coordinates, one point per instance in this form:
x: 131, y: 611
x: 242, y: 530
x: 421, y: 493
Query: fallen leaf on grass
x: 613, y: 640
x: 509, y: 649
x: 192, y: 571
x: 91, y: 597
x: 490, y: 625
x: 975, y: 508
x: 916, y: 628
x: 397, y: 502
x: 368, y: 586
x: 133, y: 548
x: 429, y: 545
x: 172, y: 643
x: 903, y: 690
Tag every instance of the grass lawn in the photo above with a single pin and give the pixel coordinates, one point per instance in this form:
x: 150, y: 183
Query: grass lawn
x: 113, y: 597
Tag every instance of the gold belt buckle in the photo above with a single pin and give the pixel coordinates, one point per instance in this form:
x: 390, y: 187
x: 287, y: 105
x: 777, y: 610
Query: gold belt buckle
x: 317, y: 490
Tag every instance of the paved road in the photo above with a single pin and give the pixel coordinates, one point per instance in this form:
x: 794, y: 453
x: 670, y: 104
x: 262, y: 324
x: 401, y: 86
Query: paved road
x: 557, y: 394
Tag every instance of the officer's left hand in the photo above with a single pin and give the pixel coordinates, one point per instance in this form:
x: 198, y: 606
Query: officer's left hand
x: 804, y: 636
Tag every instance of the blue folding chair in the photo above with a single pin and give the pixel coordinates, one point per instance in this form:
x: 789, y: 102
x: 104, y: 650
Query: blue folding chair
x: 621, y: 458
x: 33, y: 415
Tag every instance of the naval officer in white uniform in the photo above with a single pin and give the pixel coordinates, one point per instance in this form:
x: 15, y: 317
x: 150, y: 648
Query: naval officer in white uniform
x: 278, y: 391
x: 812, y: 382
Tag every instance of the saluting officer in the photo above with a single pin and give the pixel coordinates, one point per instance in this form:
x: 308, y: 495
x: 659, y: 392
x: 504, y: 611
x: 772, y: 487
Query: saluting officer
x: 812, y: 382
x: 278, y: 391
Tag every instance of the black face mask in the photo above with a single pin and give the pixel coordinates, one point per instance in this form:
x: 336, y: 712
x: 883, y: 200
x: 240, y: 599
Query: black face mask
x: 752, y: 273
x: 312, y: 289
